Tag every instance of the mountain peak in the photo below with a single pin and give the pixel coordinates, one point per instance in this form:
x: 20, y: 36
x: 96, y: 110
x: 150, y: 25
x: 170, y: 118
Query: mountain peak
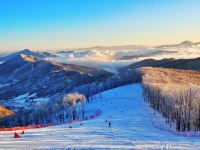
x: 25, y: 51
x: 187, y: 42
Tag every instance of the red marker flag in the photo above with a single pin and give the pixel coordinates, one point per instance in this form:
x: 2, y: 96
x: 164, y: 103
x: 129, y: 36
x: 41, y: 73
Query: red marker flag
x: 16, y: 135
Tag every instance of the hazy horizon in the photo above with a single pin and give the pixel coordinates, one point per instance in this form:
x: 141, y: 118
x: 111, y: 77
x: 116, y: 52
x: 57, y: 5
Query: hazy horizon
x: 91, y: 47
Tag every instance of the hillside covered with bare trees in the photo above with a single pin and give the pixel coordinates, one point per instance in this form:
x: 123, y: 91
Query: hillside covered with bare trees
x: 175, y: 94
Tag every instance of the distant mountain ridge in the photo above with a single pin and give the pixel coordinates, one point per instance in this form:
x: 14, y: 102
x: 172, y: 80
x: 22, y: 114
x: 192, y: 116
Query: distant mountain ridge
x: 126, y: 47
x: 184, y: 43
x: 25, y: 52
x: 185, y: 64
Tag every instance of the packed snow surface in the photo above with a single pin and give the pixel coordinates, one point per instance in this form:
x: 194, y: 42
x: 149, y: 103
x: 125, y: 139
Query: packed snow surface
x: 131, y: 128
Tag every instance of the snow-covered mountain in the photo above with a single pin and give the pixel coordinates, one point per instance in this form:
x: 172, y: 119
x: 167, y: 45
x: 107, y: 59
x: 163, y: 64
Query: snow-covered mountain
x: 9, y: 56
x: 26, y: 74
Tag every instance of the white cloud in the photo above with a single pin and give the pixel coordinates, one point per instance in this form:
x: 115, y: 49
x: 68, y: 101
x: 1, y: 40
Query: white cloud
x: 109, y: 59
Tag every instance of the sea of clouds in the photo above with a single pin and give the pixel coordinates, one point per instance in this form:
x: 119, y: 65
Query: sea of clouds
x: 111, y: 60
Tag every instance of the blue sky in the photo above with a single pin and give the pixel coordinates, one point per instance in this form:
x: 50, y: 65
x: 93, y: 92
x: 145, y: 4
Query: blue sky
x: 57, y: 24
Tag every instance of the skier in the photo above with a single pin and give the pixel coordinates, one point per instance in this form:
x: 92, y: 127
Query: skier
x: 109, y: 124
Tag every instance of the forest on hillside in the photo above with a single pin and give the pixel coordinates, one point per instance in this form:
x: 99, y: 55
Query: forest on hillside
x: 175, y: 94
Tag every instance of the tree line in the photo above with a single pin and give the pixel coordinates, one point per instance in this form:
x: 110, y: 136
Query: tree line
x: 179, y: 105
x: 117, y: 80
x: 57, y: 110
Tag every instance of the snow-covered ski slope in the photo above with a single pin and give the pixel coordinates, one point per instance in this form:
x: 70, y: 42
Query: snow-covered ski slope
x: 131, y: 128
